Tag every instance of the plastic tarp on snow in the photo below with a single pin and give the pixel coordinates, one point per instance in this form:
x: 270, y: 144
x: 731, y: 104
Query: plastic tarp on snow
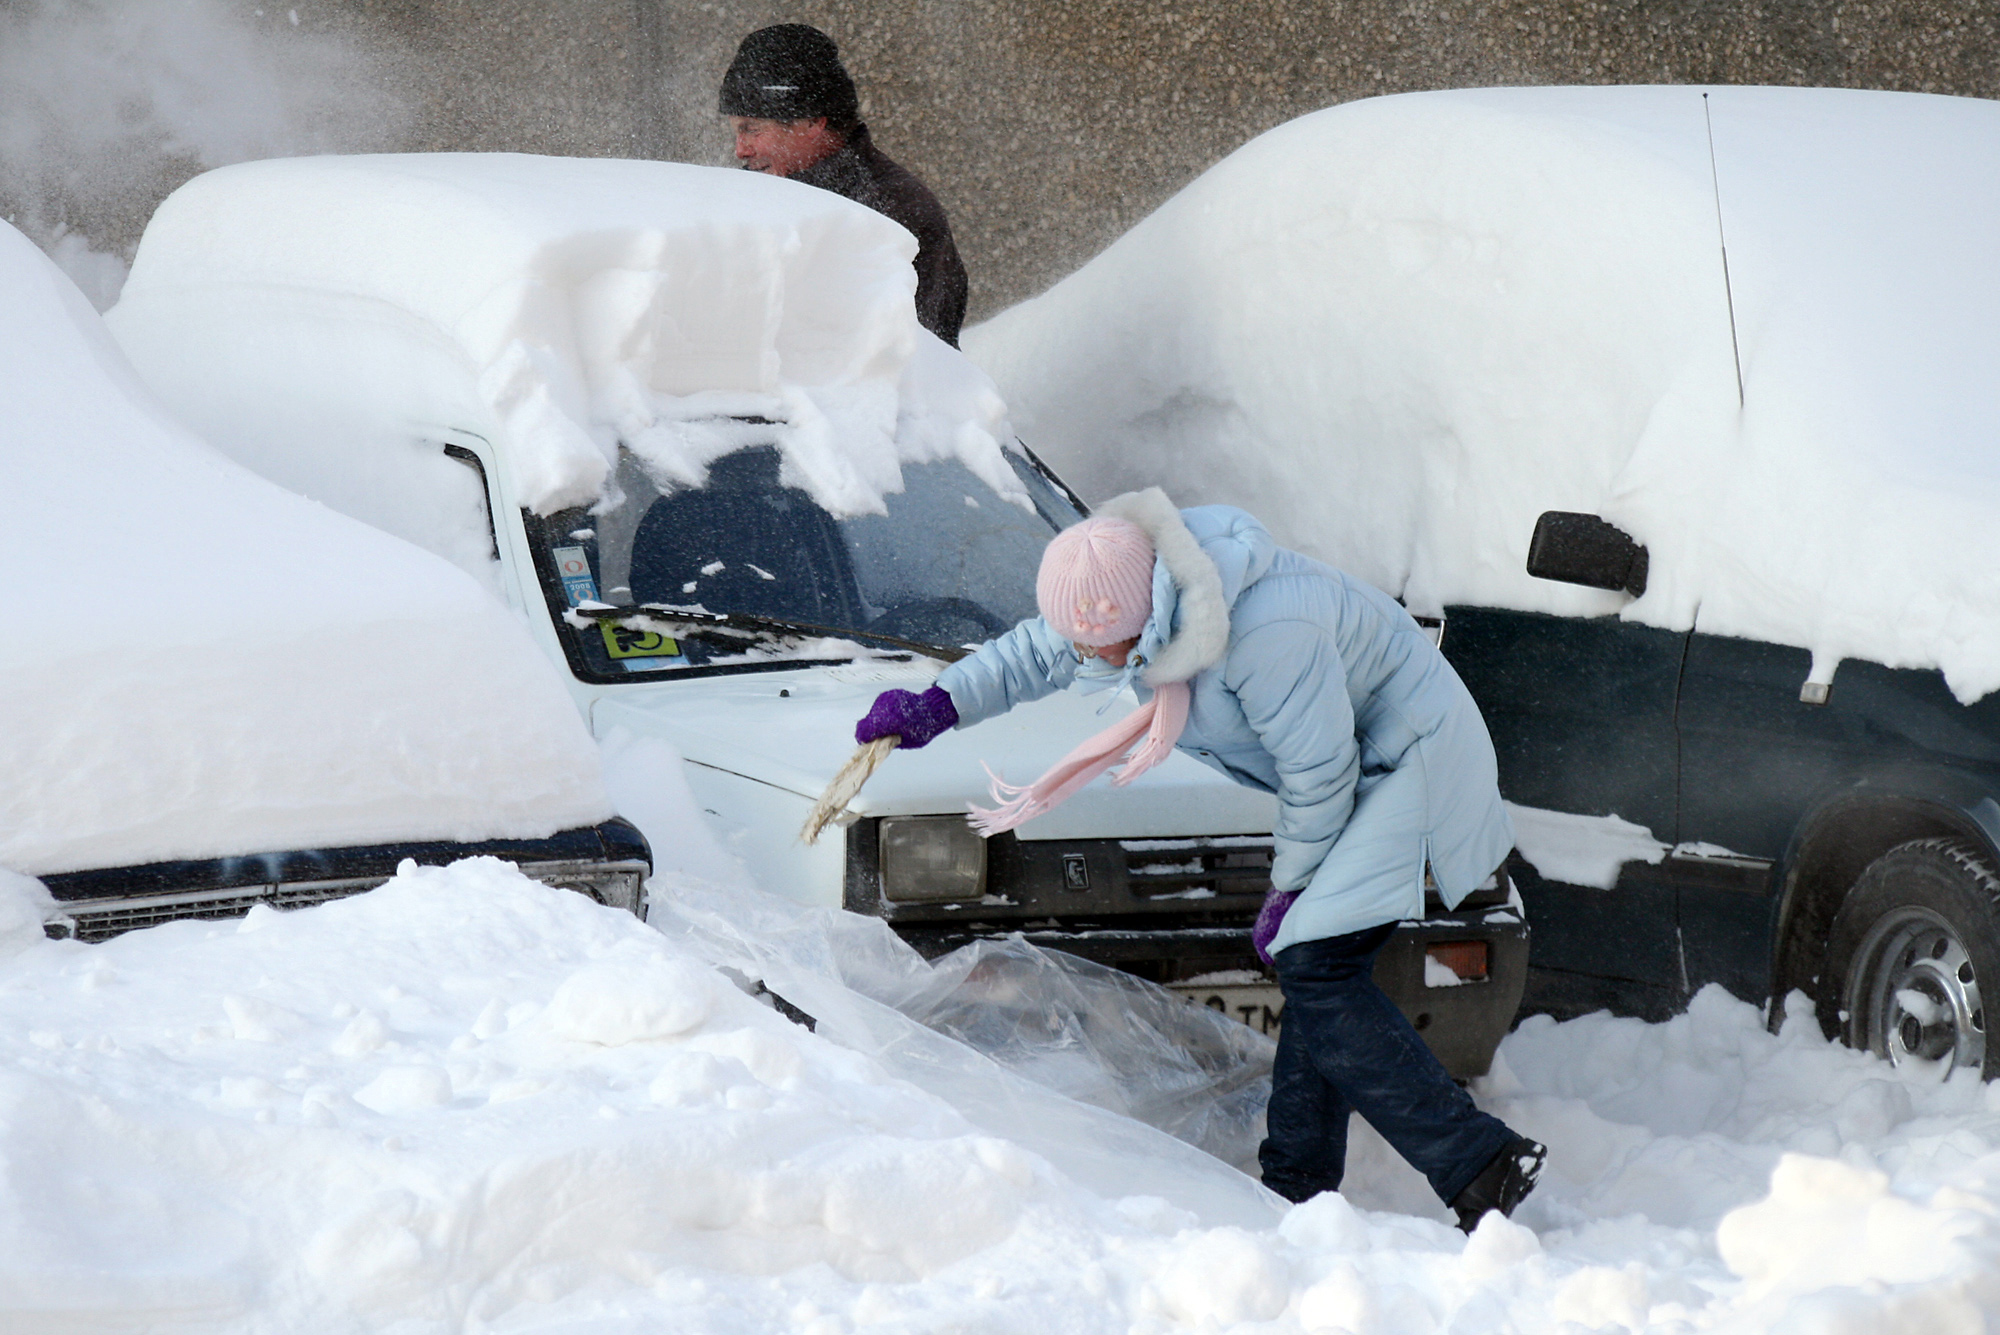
x: 200, y: 664
x: 1400, y: 329
x: 305, y: 312
x: 1086, y: 1066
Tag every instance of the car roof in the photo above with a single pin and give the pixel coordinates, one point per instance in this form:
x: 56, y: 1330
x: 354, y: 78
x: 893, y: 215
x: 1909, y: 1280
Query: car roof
x: 201, y: 664
x: 554, y: 307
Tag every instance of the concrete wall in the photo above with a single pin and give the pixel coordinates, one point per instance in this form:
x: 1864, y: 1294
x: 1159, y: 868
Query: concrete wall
x: 1049, y: 126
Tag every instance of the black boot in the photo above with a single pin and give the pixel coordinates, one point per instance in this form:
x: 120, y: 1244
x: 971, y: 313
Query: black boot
x: 1502, y: 1184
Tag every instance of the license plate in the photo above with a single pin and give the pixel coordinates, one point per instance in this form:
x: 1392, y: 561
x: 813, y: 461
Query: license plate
x: 1261, y: 1006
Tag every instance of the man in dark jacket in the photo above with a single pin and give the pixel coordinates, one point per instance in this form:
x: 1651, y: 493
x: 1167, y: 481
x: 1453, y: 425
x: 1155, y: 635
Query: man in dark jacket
x: 795, y: 114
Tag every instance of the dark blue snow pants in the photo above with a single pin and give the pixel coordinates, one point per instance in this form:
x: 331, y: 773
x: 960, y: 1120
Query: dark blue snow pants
x: 1344, y: 1047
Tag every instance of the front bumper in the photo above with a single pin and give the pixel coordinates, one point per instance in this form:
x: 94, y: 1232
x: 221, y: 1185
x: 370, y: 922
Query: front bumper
x: 607, y: 862
x: 1174, y: 909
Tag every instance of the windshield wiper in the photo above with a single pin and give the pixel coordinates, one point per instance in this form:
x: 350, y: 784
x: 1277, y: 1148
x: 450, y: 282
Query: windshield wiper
x: 745, y: 629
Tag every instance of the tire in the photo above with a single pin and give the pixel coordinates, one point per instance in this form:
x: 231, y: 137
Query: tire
x: 1909, y: 952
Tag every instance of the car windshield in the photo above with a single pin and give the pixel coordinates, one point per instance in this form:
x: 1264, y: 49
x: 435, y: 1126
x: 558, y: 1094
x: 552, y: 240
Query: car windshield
x: 951, y: 564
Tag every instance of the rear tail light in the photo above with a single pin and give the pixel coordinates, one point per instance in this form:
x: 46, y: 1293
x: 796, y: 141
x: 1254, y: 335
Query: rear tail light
x: 1449, y: 963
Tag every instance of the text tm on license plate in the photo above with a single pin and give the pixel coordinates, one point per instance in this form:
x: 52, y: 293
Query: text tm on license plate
x: 1260, y: 1006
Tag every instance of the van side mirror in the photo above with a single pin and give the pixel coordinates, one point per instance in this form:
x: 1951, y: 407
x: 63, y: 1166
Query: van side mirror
x: 1583, y: 549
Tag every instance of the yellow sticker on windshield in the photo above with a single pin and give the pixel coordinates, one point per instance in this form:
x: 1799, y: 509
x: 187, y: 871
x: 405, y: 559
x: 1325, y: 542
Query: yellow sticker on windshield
x: 625, y: 642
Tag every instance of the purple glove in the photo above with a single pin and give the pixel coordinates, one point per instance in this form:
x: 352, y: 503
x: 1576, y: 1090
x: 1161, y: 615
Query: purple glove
x: 1269, y: 919
x: 915, y: 718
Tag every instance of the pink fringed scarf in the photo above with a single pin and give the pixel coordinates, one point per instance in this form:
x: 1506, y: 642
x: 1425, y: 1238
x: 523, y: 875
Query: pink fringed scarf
x: 1155, y: 726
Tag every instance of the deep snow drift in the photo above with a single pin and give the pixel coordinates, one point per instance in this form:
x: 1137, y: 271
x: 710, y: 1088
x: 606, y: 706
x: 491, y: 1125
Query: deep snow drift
x: 1400, y: 329
x: 469, y: 1102
x: 200, y: 664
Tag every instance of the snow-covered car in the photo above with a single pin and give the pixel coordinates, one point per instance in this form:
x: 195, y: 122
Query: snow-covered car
x: 685, y: 422
x: 216, y: 694
x: 1671, y: 402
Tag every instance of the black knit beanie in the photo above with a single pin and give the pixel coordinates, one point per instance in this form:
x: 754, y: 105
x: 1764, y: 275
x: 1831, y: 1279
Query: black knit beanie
x: 788, y: 72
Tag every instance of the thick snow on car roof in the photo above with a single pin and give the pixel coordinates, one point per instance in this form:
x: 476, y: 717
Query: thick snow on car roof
x: 200, y: 664
x: 1402, y: 328
x: 555, y: 306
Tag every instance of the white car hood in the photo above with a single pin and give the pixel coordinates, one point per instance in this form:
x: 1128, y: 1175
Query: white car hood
x: 797, y: 740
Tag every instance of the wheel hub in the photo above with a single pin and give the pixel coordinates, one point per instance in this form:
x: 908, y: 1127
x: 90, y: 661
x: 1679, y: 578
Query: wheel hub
x: 1916, y: 995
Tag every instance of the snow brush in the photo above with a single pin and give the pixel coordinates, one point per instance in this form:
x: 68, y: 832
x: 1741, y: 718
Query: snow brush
x: 846, y: 785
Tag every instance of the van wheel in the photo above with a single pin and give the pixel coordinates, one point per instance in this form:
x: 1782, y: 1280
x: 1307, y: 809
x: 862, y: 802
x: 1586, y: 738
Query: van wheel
x: 1909, y: 950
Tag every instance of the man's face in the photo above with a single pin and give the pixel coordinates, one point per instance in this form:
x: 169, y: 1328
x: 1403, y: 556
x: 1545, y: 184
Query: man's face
x: 781, y: 148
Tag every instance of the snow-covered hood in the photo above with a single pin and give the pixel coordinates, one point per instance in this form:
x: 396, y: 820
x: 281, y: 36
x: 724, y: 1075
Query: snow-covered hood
x: 797, y: 740
x: 1400, y: 329
x: 200, y: 665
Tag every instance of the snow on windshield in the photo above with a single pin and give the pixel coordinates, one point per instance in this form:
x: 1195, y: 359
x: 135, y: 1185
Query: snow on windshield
x: 314, y: 315
x: 1400, y: 329
x: 199, y: 664
x: 940, y: 567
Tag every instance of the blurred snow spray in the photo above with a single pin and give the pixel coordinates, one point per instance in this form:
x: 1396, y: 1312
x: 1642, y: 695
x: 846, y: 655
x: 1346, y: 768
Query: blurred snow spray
x: 107, y: 105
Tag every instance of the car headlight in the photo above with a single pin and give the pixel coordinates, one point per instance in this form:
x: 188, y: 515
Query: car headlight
x: 622, y: 885
x: 932, y: 859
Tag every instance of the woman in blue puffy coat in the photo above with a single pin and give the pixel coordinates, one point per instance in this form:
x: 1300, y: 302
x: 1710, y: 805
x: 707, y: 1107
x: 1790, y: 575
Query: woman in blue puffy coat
x: 1288, y: 676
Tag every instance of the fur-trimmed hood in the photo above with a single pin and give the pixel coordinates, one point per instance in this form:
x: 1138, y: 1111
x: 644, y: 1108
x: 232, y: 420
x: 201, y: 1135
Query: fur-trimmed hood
x: 1203, y: 560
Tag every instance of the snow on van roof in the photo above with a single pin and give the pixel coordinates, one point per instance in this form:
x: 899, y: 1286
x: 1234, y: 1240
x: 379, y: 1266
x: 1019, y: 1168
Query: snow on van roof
x: 202, y: 665
x: 1402, y: 328
x: 557, y: 307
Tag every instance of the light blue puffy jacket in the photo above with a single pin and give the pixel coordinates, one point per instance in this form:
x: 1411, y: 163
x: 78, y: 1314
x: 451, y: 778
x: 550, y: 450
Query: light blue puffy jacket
x: 1307, y: 684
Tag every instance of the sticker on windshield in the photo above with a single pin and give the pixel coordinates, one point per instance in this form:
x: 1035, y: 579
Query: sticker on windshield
x: 625, y: 642
x: 573, y: 566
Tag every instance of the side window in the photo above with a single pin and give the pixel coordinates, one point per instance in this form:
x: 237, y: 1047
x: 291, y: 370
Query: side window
x: 428, y: 493
x: 459, y: 454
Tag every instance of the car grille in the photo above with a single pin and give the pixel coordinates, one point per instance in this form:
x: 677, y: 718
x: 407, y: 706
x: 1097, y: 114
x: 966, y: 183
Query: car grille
x: 101, y: 920
x: 1201, y: 868
x: 1221, y: 865
x: 617, y: 884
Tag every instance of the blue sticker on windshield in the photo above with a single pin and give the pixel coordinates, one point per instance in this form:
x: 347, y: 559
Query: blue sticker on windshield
x: 573, y: 566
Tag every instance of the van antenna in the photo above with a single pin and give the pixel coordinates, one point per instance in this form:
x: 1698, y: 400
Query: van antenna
x: 1715, y: 184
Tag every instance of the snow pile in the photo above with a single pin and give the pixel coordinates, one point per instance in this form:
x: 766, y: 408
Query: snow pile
x: 467, y: 1101
x: 1705, y: 1174
x: 201, y: 664
x: 1400, y: 329
x: 317, y: 317
x: 1581, y: 850
x: 25, y: 904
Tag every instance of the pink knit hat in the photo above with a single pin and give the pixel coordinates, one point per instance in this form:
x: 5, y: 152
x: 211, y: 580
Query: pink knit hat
x: 1096, y: 582
x: 1096, y: 588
